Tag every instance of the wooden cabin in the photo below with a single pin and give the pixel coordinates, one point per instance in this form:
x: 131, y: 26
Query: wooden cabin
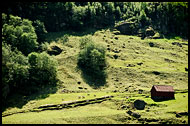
x: 159, y: 92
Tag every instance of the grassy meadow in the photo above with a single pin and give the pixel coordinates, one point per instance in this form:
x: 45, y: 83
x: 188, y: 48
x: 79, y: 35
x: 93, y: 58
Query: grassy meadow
x: 139, y: 65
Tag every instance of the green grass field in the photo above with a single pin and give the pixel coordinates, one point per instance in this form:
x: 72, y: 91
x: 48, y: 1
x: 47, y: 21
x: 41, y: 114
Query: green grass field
x: 132, y: 70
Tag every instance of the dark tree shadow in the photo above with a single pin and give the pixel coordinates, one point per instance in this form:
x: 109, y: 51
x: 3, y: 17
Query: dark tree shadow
x: 52, y: 36
x: 18, y: 100
x: 92, y: 79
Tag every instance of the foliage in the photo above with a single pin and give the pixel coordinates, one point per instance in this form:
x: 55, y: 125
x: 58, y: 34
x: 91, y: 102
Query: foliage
x: 143, y: 19
x: 42, y: 69
x: 92, y: 58
x: 43, y: 46
x: 19, y: 34
x: 164, y: 16
x: 40, y: 30
x: 14, y: 70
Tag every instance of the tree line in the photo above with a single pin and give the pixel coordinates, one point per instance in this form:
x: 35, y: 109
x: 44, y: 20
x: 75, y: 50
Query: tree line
x: 166, y: 17
x: 25, y: 68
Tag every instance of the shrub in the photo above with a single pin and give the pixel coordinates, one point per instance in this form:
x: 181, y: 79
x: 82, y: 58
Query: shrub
x: 19, y: 34
x: 92, y: 59
x: 44, y: 46
x: 42, y: 69
x: 14, y: 70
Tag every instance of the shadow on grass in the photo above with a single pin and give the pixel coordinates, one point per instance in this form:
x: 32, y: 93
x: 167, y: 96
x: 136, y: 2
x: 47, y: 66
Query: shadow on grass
x: 94, y: 80
x: 18, y: 100
x: 163, y: 99
x: 54, y: 36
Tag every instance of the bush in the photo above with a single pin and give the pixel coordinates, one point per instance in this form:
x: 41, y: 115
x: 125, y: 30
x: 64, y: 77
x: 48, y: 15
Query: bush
x: 92, y: 59
x: 42, y: 69
x: 19, y: 34
x: 43, y: 46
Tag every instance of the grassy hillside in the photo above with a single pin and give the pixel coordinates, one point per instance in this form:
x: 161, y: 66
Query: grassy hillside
x: 133, y: 64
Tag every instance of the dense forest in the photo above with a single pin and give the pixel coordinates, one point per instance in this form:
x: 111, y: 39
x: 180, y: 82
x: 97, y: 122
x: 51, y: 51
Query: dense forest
x: 25, y: 67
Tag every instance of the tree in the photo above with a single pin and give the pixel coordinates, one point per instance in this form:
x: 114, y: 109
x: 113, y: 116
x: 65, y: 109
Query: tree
x: 19, y: 34
x: 117, y: 13
x: 43, y: 69
x: 92, y: 59
x: 14, y: 71
x: 143, y: 19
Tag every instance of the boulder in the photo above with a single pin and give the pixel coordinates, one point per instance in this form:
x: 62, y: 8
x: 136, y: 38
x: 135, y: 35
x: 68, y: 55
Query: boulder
x: 140, y: 91
x: 80, y: 87
x: 156, y: 72
x: 115, y: 56
x: 123, y: 107
x: 55, y: 50
x: 140, y: 63
x: 129, y: 112
x: 139, y: 104
x: 151, y: 44
x: 136, y: 115
x: 116, y: 38
x: 79, y: 82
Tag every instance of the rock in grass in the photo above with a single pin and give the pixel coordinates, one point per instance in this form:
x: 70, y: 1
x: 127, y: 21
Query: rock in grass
x: 136, y: 115
x: 116, y: 38
x: 177, y: 43
x: 139, y: 104
x: 151, y: 44
x: 55, y: 50
x: 139, y: 63
x: 156, y: 72
x: 178, y: 115
x: 115, y: 56
x: 129, y: 112
x: 79, y: 82
x: 123, y: 107
x: 80, y: 87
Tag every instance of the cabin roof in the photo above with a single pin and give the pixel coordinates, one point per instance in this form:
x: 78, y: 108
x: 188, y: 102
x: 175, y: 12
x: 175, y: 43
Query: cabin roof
x: 163, y: 88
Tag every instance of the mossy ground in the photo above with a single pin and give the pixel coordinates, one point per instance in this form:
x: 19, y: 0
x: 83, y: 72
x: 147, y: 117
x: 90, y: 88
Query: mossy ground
x: 134, y: 69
